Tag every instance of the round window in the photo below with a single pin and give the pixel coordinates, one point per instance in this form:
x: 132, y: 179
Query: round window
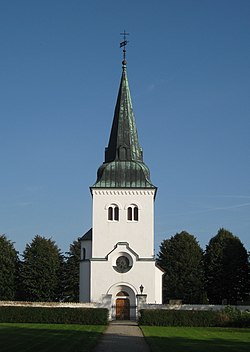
x: 122, y: 264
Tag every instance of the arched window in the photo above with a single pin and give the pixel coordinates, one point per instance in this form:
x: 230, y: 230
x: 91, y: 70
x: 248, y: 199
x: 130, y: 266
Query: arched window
x: 133, y: 213
x: 113, y: 212
x: 110, y: 213
x: 122, y: 153
x: 116, y: 213
x: 136, y: 214
x: 130, y: 214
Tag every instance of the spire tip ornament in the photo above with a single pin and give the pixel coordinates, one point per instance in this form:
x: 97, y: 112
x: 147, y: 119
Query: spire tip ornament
x: 123, y: 45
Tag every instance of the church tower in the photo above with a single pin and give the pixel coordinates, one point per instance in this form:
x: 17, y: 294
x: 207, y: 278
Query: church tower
x: 117, y: 255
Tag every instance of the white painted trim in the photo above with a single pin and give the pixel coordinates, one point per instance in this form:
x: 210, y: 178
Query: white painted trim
x: 115, y: 203
x: 115, y: 192
x: 135, y: 204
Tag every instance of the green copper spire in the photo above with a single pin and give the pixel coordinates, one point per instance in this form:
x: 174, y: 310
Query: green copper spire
x: 123, y: 166
x: 123, y: 142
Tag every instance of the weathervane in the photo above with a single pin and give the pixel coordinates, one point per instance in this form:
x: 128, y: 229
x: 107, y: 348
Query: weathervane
x: 123, y: 45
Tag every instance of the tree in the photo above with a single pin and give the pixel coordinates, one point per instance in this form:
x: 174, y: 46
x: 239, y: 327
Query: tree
x: 226, y: 269
x: 41, y: 270
x: 182, y: 260
x: 71, y: 272
x: 8, y: 269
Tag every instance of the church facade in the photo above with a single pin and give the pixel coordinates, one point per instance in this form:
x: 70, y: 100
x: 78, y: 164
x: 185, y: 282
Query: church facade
x: 117, y: 268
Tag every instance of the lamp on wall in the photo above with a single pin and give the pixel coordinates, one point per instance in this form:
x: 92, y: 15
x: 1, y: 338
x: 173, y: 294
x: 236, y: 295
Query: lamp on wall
x: 141, y: 288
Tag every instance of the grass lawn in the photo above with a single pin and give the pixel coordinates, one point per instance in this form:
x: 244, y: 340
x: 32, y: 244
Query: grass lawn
x: 183, y: 339
x: 48, y: 337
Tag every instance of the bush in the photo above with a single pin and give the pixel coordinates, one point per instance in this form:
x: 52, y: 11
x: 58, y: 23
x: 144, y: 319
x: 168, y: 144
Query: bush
x: 86, y: 316
x: 237, y: 318
x: 163, y: 317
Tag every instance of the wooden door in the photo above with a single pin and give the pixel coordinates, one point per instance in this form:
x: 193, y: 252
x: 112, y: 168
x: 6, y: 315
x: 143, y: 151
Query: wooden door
x: 122, y: 309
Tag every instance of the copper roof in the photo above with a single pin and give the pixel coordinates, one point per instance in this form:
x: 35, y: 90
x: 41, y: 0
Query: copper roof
x: 123, y: 166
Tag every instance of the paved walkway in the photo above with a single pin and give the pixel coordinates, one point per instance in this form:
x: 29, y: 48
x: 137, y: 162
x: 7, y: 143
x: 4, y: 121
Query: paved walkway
x: 122, y: 336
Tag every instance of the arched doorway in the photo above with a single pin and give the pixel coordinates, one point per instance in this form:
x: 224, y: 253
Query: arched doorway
x: 122, y: 306
x: 123, y: 301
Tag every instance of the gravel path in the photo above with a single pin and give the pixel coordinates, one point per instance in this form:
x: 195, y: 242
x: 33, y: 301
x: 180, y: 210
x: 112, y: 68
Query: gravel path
x: 121, y: 336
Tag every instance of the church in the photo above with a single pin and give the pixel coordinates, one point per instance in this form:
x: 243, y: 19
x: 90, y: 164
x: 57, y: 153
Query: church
x: 118, y: 268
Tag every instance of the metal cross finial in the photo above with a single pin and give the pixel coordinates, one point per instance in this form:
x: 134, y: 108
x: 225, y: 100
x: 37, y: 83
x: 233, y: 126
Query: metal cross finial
x: 123, y: 44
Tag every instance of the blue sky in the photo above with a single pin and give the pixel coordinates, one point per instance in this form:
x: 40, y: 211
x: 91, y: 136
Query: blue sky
x: 189, y: 75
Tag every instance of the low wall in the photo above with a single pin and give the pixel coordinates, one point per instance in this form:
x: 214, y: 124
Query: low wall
x: 49, y: 304
x: 192, y: 307
x: 103, y: 305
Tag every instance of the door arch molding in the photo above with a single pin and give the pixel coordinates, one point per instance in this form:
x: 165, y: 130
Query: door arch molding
x: 123, y: 305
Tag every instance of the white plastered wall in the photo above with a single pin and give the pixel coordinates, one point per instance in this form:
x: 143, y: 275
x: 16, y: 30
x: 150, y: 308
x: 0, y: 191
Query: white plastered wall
x: 139, y: 234
x: 142, y: 273
x: 110, y: 239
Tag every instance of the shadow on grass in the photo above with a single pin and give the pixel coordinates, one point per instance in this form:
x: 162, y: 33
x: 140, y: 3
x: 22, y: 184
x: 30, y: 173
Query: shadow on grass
x: 42, y: 338
x: 180, y: 344
x: 122, y: 342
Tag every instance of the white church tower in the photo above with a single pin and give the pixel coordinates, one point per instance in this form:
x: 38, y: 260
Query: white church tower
x: 117, y: 266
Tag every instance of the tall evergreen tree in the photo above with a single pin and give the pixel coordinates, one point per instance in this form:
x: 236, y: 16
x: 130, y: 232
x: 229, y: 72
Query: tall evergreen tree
x: 71, y: 272
x: 8, y: 269
x: 182, y: 260
x: 226, y: 269
x: 41, y: 271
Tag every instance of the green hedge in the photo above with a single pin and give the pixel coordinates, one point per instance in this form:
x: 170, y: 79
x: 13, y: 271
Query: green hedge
x: 236, y: 318
x: 163, y: 317
x: 86, y: 316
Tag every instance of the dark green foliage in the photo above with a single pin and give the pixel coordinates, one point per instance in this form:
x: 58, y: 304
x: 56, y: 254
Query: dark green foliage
x: 236, y: 318
x: 164, y: 317
x: 71, y: 273
x: 8, y: 269
x: 41, y: 271
x: 226, y: 269
x: 182, y: 260
x: 87, y: 316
